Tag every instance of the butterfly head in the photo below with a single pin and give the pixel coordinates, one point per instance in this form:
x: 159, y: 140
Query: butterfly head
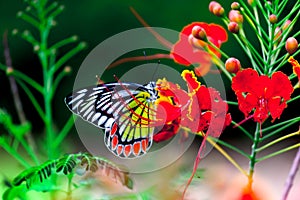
x: 151, y: 89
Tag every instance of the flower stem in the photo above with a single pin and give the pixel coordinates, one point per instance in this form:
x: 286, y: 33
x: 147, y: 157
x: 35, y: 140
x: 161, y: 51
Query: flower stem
x: 16, y: 96
x: 291, y: 177
x: 253, y: 159
x: 278, y: 140
x: 221, y: 150
x: 227, y: 156
x: 225, y: 144
x: 293, y: 99
x: 14, y: 153
x: 278, y: 152
x: 244, y: 130
x: 63, y: 133
x: 282, y: 125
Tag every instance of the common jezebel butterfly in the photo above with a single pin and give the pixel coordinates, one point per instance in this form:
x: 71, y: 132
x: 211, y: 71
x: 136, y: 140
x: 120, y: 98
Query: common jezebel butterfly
x: 126, y: 111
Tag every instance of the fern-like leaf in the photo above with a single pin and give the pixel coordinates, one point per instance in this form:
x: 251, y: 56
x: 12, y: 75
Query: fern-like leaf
x: 35, y: 174
x: 67, y: 165
x: 93, y: 164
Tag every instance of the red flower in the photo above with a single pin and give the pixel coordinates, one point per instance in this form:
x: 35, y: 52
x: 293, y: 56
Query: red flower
x: 207, y: 110
x: 262, y: 94
x: 167, y: 131
x: 296, y: 67
x: 170, y: 102
x: 202, y: 109
x: 186, y: 54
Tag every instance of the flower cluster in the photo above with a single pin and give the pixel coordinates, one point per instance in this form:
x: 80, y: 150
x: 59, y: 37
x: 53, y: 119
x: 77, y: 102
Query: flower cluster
x: 199, y: 109
x: 261, y: 94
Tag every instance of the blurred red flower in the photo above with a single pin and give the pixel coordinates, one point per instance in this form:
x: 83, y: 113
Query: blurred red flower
x: 296, y: 67
x: 262, y: 94
x: 185, y: 53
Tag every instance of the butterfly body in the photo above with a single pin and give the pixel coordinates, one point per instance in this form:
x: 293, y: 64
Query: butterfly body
x: 126, y: 111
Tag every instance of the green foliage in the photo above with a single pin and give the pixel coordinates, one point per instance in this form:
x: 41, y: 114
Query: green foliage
x: 38, y: 178
x: 16, y: 130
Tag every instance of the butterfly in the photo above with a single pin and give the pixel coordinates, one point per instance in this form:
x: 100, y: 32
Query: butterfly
x: 126, y: 111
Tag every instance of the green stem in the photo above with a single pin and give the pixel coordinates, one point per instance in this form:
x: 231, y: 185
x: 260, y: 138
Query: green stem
x: 225, y: 144
x: 63, y: 43
x: 28, y: 19
x: 32, y: 99
x: 243, y: 130
x: 28, y: 80
x: 278, y: 152
x: 68, y: 55
x: 291, y: 122
x: 280, y: 124
x: 227, y: 156
x: 253, y: 159
x: 29, y: 150
x: 277, y: 140
x: 14, y: 154
x: 293, y: 99
x: 232, y: 103
x: 220, y: 64
x: 253, y: 21
x: 64, y: 132
x: 69, y: 190
x: 56, y: 82
x: 259, y: 31
x: 217, y: 49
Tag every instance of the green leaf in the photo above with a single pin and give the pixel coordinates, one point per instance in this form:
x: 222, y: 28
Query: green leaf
x: 66, y: 164
x: 17, y: 130
x: 92, y: 163
x: 15, y: 192
x: 35, y: 175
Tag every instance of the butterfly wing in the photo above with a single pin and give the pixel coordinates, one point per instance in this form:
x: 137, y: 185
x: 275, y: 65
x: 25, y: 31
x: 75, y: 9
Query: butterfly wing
x: 122, y: 110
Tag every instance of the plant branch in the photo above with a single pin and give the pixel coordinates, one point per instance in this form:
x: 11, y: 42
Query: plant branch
x: 291, y: 176
x: 15, y: 93
x: 278, y: 140
x: 278, y: 152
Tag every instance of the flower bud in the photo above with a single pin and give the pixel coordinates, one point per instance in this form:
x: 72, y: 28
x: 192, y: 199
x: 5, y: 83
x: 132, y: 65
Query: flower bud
x: 232, y: 65
x: 286, y: 24
x: 196, y: 43
x: 216, y: 8
x: 235, y: 6
x: 252, y: 3
x: 212, y: 5
x: 199, y: 33
x: 233, y: 27
x: 291, y: 45
x: 273, y: 19
x: 277, y: 34
x: 9, y: 70
x: 67, y: 69
x: 235, y: 16
x: 218, y: 11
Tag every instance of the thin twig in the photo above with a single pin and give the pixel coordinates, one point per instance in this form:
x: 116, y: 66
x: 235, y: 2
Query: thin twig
x: 160, y: 38
x: 15, y: 92
x: 291, y: 176
x: 139, y: 58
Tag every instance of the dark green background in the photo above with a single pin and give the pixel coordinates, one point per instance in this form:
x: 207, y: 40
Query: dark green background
x: 94, y: 21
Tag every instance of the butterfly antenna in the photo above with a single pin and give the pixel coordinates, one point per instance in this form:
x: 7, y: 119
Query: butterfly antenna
x: 156, y: 69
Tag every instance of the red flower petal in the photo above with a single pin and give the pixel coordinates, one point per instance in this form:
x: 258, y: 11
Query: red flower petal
x: 276, y: 107
x: 281, y: 86
x: 184, y: 53
x: 167, y: 131
x: 191, y: 80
